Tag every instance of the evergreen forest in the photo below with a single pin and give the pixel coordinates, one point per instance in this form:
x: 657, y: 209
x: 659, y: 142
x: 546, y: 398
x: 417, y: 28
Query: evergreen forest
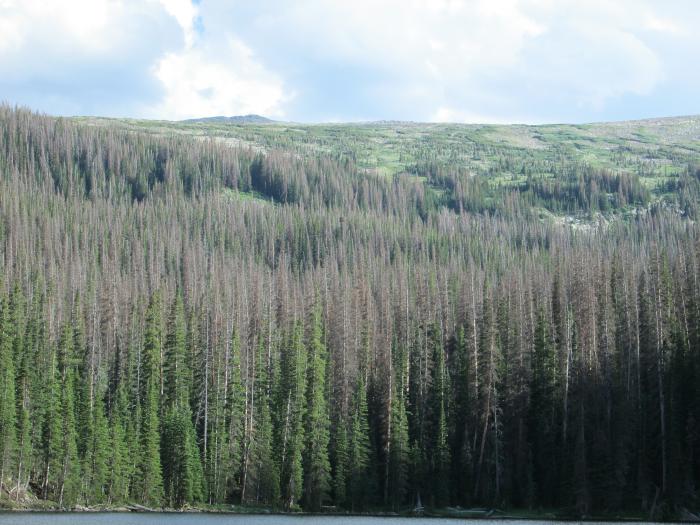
x: 350, y: 317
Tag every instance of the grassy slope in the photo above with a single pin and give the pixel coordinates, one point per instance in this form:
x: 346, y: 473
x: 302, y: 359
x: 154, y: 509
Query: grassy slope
x: 656, y: 149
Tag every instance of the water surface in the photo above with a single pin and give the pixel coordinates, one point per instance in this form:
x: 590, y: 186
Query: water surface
x: 156, y: 518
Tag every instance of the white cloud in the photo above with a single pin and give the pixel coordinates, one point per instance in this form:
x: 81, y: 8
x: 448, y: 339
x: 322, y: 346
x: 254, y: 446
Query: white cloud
x: 404, y: 35
x: 480, y: 57
x: 214, y: 74
x: 85, y: 27
x: 662, y: 25
x: 82, y: 56
x: 185, y: 12
x: 195, y: 85
x: 127, y: 57
x: 595, y: 52
x: 492, y: 60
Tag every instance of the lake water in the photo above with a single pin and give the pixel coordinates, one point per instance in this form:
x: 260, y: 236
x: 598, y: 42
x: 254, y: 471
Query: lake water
x: 155, y: 518
x: 125, y: 518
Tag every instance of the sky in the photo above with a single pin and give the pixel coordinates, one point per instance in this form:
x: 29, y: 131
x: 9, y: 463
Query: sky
x: 476, y: 61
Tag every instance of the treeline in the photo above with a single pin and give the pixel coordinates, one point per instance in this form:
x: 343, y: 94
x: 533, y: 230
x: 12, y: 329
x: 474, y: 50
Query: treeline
x: 686, y: 188
x: 105, y: 163
x: 182, y: 347
x: 571, y: 188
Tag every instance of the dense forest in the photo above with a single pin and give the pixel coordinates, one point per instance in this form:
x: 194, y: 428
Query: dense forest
x: 185, y: 321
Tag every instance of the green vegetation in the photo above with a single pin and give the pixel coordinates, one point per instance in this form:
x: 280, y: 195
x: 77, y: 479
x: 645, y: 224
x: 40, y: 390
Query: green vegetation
x: 649, y: 153
x: 350, y: 317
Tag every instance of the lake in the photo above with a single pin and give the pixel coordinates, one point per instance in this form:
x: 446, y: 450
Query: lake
x: 126, y: 518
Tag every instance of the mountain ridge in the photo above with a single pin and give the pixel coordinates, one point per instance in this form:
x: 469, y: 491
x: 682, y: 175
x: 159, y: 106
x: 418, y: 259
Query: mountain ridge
x: 251, y: 118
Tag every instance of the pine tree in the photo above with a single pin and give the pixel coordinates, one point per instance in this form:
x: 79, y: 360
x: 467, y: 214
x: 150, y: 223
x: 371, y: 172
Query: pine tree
x: 317, y: 469
x: 183, y: 476
x: 83, y: 391
x: 341, y: 462
x: 233, y: 420
x: 178, y: 375
x: 291, y: 411
x: 462, y: 452
x: 541, y: 415
x: 8, y: 438
x: 51, y: 448
x: 440, y: 461
x: 97, y: 459
x: 91, y: 419
x: 120, y: 465
x: 25, y: 422
x: 182, y: 470
x: 264, y: 477
x: 399, y: 460
x: 361, y: 481
x: 63, y: 438
x: 148, y: 486
x: 268, y: 483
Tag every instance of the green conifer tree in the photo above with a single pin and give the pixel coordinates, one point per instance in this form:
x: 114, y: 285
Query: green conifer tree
x: 120, y: 464
x: 96, y: 465
x: 400, y: 450
x: 316, y: 463
x: 462, y: 460
x: 234, y: 413
x: 8, y: 437
x: 291, y: 410
x: 25, y: 422
x: 541, y: 415
x: 90, y: 415
x: 440, y: 454
x: 340, y: 461
x: 148, y: 486
x: 182, y: 467
x: 360, y: 479
x: 64, y: 436
x: 263, y: 478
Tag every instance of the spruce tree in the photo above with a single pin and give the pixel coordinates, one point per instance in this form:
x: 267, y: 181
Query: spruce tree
x: 148, y: 486
x: 51, y: 446
x: 316, y: 462
x: 360, y: 472
x: 97, y: 459
x: 233, y: 421
x: 26, y: 393
x: 64, y: 436
x: 178, y: 375
x: 183, y: 476
x: 91, y: 419
x: 291, y: 411
x: 182, y: 471
x: 462, y: 459
x: 8, y: 437
x: 263, y: 478
x: 541, y: 416
x: 399, y: 458
x: 120, y: 462
x: 340, y: 461
x: 440, y: 454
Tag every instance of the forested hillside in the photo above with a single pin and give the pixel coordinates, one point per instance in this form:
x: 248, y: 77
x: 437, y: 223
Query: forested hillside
x: 356, y: 316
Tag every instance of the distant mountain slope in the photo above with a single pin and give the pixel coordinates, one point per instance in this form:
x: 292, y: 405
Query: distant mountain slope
x: 568, y: 170
x: 237, y: 119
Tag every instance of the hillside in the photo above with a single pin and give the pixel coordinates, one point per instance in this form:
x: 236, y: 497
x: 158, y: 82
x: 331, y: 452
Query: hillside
x: 355, y: 316
x: 237, y: 119
x: 532, y: 161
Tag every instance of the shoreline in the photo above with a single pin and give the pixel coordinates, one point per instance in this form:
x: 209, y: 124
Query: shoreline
x: 444, y: 513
